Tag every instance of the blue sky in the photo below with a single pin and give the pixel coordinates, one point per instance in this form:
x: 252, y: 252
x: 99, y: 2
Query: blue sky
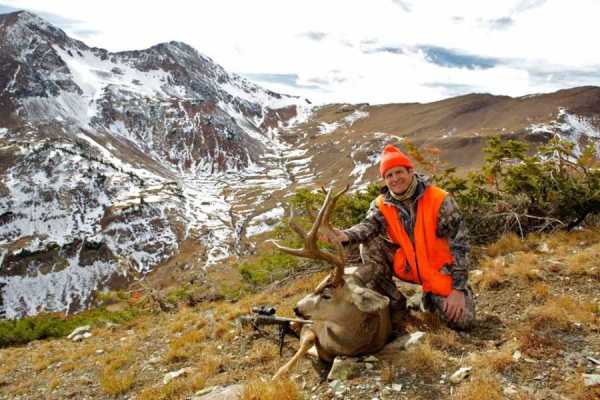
x: 377, y: 51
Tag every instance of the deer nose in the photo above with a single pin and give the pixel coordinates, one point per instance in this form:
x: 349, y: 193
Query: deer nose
x: 297, y: 312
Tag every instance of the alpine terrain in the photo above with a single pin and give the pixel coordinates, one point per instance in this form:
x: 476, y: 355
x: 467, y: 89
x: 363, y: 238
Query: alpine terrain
x: 111, y: 164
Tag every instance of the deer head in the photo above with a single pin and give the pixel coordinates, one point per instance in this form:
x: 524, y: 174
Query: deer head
x: 349, y: 318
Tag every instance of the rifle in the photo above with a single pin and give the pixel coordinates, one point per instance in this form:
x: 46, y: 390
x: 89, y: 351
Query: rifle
x: 266, y: 316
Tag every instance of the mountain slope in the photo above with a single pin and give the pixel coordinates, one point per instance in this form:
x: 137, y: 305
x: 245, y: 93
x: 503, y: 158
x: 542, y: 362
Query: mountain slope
x: 112, y: 156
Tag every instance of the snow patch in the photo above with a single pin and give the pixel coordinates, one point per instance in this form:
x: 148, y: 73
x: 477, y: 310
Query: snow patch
x: 264, y: 222
x: 327, y: 128
x: 571, y: 127
x: 55, y: 291
x: 355, y: 116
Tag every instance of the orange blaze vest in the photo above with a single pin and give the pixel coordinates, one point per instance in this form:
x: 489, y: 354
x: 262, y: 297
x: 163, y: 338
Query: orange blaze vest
x: 432, y: 253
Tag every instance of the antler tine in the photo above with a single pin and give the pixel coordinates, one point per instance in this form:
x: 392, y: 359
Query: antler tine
x: 294, y: 225
x: 312, y: 234
x: 310, y: 248
x: 331, y: 206
x: 328, y: 207
x: 295, y: 252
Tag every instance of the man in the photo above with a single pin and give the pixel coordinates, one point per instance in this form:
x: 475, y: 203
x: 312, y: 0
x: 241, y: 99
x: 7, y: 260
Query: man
x: 414, y: 231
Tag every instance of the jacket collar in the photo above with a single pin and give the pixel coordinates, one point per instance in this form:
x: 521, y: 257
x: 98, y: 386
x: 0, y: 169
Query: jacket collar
x: 422, y: 183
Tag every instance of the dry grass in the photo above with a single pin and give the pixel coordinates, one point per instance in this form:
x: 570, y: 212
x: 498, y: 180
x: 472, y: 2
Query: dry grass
x: 115, y: 382
x: 584, y: 262
x: 54, y: 382
x: 424, y: 360
x: 185, y: 347
x: 263, y: 352
x: 508, y: 243
x: 496, y: 360
x: 445, y: 339
x: 282, y: 389
x: 177, y: 388
x: 562, y: 239
x: 540, y: 291
x: 42, y: 360
x: 524, y: 266
x: 388, y: 373
x: 492, y: 277
x: 483, y: 386
x: 537, y: 344
x: 561, y: 313
x: 575, y: 387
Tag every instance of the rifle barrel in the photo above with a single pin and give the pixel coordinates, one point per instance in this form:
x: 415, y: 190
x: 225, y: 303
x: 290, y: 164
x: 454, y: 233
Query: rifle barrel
x: 272, y: 320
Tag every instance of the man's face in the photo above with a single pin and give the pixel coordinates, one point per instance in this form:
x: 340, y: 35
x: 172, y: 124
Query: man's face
x: 397, y: 179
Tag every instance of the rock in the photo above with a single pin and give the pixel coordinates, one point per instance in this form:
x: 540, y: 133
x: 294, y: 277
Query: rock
x: 396, y: 387
x: 79, y: 331
x: 591, y: 379
x: 337, y: 386
x: 393, y: 350
x: 176, y: 374
x: 543, y: 248
x: 509, y: 391
x: 99, y: 351
x: 516, y: 355
x: 412, y: 339
x: 460, y: 374
x: 536, y: 273
x: 154, y: 360
x: 232, y: 392
x: 499, y: 262
x: 81, y: 336
x: 344, y: 368
x: 592, y: 359
x: 371, y: 359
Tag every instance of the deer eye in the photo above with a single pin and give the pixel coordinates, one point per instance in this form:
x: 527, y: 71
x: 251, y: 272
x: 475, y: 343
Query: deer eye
x: 326, y: 296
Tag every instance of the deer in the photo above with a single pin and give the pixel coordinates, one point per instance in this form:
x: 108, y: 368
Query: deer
x: 347, y: 318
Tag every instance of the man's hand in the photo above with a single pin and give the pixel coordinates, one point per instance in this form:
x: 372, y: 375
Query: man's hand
x: 454, y: 306
x: 335, y: 235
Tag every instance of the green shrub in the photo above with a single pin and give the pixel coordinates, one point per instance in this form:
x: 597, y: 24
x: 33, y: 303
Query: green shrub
x: 43, y: 326
x: 268, y: 268
x: 554, y: 188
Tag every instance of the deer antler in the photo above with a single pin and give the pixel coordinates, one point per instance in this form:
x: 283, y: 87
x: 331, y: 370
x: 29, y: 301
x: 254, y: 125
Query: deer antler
x: 310, y: 248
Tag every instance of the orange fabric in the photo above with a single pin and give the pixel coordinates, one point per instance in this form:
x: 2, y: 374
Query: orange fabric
x: 431, y: 253
x: 392, y: 157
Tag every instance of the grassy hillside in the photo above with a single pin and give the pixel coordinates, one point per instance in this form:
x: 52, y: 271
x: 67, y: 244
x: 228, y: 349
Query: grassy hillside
x: 538, y: 322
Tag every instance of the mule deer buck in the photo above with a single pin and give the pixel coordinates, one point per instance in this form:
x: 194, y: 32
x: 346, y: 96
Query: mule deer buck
x: 348, y: 318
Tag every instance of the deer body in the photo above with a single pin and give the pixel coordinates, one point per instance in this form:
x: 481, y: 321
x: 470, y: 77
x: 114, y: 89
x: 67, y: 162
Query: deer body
x: 348, y: 318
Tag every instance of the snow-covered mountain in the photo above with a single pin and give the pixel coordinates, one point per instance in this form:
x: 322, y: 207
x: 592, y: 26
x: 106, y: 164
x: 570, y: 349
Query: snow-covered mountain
x: 108, y: 159
x: 150, y: 157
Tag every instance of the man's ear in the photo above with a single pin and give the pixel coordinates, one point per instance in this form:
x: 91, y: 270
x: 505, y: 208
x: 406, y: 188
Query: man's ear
x: 367, y: 300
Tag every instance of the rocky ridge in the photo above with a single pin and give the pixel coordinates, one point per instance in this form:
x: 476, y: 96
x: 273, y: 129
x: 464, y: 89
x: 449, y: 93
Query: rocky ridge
x: 111, y: 156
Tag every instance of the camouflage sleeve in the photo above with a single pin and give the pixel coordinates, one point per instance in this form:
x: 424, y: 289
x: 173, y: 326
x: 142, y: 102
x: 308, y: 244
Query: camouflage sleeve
x: 452, y: 226
x: 372, y: 224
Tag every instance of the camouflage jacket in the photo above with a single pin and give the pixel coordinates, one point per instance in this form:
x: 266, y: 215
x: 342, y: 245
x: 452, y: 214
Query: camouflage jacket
x: 450, y: 225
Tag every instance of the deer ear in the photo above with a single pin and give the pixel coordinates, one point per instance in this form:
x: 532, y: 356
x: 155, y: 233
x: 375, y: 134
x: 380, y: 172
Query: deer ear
x: 367, y: 300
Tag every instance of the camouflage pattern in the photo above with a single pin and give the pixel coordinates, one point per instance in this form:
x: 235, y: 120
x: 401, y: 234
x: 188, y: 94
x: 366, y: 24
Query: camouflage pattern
x: 377, y: 253
x: 435, y: 304
x: 450, y: 225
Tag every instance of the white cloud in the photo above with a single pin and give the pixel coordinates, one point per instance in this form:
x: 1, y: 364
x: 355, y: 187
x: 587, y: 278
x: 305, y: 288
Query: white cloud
x: 334, y: 44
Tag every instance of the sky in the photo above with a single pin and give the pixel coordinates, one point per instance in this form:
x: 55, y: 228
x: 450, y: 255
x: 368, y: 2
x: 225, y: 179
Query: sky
x: 375, y: 51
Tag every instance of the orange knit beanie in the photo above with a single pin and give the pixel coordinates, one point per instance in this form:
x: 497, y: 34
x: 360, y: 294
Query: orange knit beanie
x: 392, y: 157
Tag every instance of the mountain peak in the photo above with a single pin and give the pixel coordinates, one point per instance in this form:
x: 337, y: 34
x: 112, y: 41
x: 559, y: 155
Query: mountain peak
x: 25, y: 23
